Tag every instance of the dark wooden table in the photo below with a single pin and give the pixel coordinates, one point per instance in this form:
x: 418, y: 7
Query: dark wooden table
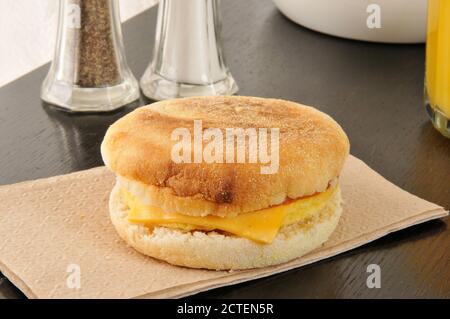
x: 373, y: 90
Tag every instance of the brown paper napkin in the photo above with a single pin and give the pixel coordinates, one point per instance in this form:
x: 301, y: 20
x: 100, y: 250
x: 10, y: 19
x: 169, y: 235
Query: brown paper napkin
x: 50, y: 227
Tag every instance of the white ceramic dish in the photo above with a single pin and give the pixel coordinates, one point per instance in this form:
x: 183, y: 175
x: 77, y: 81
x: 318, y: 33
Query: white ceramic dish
x: 402, y: 21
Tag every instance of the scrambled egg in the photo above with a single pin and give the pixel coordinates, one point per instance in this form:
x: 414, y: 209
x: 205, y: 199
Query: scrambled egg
x: 261, y: 226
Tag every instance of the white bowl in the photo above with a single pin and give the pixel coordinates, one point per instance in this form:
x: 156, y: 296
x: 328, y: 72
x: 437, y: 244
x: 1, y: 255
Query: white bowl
x: 402, y: 21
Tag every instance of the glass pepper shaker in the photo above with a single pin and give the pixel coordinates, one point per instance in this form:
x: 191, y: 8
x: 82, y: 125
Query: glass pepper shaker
x: 188, y: 59
x: 89, y: 72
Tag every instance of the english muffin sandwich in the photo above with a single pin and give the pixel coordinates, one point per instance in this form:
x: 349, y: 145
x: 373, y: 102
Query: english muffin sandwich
x: 225, y: 182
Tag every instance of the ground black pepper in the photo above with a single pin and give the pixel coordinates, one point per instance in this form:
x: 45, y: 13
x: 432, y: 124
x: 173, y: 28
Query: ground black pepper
x: 89, y: 71
x: 97, y: 64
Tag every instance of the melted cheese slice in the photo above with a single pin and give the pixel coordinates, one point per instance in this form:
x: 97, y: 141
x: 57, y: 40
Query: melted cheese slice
x: 261, y: 226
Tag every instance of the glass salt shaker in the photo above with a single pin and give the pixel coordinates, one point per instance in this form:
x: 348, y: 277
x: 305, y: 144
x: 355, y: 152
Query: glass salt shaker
x: 89, y: 72
x: 188, y: 59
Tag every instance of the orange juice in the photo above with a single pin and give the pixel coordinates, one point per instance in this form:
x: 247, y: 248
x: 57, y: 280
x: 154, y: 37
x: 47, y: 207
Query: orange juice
x: 438, y: 65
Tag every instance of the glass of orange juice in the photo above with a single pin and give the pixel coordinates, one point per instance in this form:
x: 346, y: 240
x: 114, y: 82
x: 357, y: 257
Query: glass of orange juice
x: 437, y: 75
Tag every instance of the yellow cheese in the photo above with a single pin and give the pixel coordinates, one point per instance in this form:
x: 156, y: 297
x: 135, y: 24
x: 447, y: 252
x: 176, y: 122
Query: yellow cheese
x: 260, y: 226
